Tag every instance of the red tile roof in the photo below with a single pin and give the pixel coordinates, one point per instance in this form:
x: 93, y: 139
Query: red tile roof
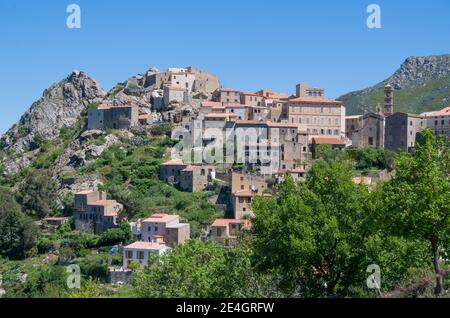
x: 442, y: 112
x: 212, y: 104
x: 322, y: 140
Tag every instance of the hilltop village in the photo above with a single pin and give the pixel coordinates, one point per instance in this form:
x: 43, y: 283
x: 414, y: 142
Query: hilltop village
x: 286, y: 128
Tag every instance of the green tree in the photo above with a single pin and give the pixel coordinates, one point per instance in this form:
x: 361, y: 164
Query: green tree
x: 17, y: 232
x: 416, y: 201
x: 314, y: 232
x: 37, y: 194
x: 188, y: 271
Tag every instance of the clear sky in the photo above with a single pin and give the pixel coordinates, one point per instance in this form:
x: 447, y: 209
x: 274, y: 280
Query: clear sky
x: 249, y: 44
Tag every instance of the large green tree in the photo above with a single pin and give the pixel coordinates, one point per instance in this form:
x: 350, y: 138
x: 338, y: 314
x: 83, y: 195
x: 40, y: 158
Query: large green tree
x: 314, y: 231
x: 416, y: 201
x: 17, y: 231
x: 38, y: 194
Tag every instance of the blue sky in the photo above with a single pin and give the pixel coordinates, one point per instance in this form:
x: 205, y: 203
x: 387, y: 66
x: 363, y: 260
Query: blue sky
x: 249, y: 44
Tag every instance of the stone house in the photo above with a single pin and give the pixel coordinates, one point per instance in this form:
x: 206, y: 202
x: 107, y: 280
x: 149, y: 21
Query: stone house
x: 241, y: 181
x: 93, y: 212
x: 365, y: 130
x: 165, y: 229
x: 303, y: 90
x: 241, y: 202
x: 227, y: 95
x: 226, y: 231
x: 402, y: 130
x: 251, y: 99
x: 439, y: 121
x: 113, y: 117
x: 195, y: 178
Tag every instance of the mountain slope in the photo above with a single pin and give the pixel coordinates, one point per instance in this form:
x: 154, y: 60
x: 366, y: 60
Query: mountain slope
x: 420, y: 84
x: 60, y: 107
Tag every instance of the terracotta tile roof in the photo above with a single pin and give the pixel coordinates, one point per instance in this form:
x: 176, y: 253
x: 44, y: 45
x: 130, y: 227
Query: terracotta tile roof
x: 281, y: 125
x: 442, y: 112
x: 322, y: 140
x: 212, y: 104
x: 103, y: 107
x: 249, y: 193
x: 161, y: 218
x: 220, y: 115
x: 250, y: 94
x: 145, y: 246
x: 227, y: 222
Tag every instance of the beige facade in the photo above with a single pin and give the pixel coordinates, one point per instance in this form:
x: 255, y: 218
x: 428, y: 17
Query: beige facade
x: 439, y: 122
x: 226, y: 95
x: 303, y: 90
x: 317, y: 116
x: 93, y: 212
x: 164, y: 228
x: 241, y: 202
x: 241, y: 181
x: 195, y: 178
x: 365, y: 130
x: 226, y: 231
x: 251, y: 99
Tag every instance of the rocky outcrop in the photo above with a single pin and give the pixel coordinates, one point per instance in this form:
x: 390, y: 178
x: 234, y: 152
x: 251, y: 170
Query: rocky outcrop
x: 59, y: 107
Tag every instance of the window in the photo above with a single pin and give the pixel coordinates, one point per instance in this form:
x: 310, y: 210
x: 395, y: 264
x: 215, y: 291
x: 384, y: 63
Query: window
x: 140, y: 255
x: 129, y: 254
x: 371, y: 141
x: 202, y: 172
x: 156, y: 229
x: 242, y: 187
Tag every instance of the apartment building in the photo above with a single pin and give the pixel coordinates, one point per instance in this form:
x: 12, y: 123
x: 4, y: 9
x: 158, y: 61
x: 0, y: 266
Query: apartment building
x: 113, y: 117
x: 164, y: 229
x: 226, y: 231
x: 365, y: 130
x: 259, y: 113
x: 93, y: 212
x: 402, y: 130
x: 317, y: 115
x: 142, y: 252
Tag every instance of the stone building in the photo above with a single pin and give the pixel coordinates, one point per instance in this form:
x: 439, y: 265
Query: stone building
x: 317, y: 115
x: 164, y: 228
x: 365, y: 130
x: 226, y: 231
x: 241, y: 181
x: 113, y: 117
x: 402, y: 130
x: 227, y: 95
x: 93, y: 212
x: 303, y: 90
x: 439, y: 121
x: 241, y: 202
x: 251, y: 99
x: 192, y: 178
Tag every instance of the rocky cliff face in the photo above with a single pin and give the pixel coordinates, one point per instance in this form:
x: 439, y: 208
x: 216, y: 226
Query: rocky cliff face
x: 59, y: 107
x: 421, y: 84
